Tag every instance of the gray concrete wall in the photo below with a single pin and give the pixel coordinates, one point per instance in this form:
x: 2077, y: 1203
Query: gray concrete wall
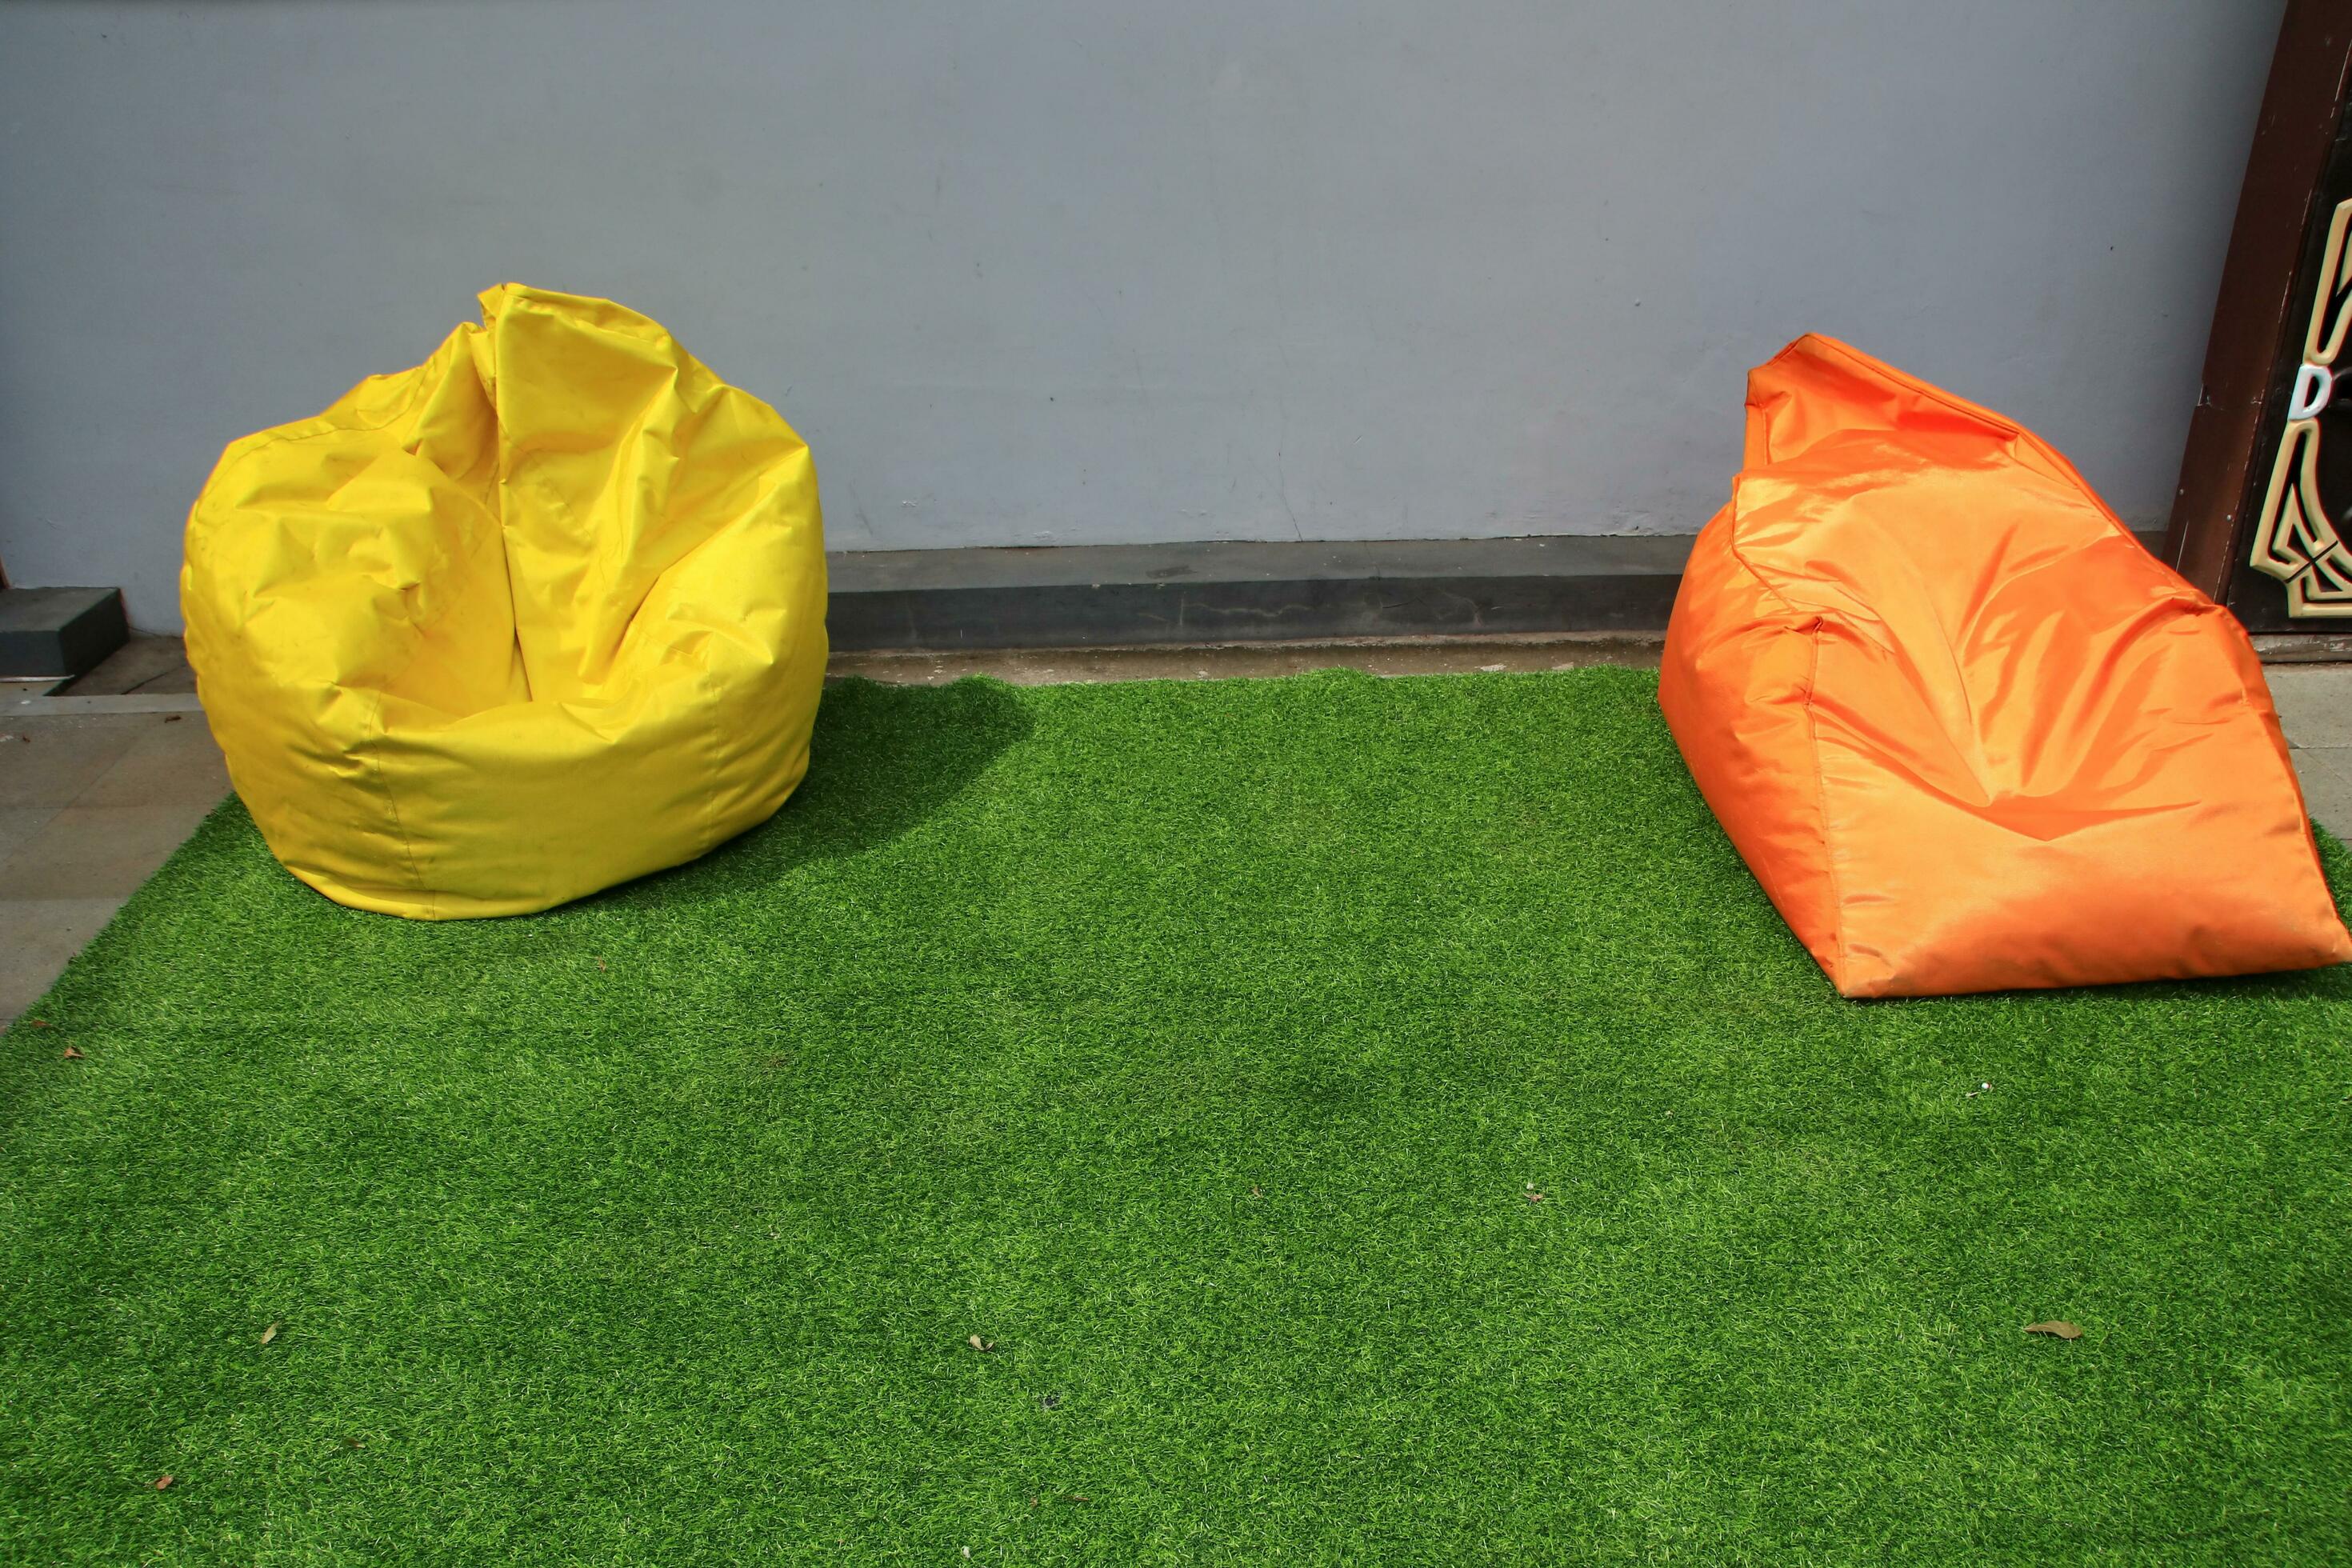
x: 1079, y: 271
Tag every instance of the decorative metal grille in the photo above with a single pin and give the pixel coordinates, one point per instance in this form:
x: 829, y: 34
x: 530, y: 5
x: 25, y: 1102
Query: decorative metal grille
x: 2295, y: 541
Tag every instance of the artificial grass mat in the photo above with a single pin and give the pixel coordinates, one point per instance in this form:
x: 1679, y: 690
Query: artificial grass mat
x: 1205, y: 1047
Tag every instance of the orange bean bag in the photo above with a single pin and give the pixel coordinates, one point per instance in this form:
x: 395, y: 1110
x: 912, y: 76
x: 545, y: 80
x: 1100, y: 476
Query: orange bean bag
x: 1967, y: 732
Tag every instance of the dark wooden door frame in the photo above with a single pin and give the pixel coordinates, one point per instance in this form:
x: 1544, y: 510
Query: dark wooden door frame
x: 2302, y: 107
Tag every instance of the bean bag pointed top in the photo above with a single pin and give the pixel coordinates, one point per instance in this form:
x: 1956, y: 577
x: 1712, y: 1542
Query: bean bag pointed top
x: 543, y: 614
x: 1968, y: 734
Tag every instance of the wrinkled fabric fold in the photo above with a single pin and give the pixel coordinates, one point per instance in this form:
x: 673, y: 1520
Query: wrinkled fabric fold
x: 1967, y: 732
x: 542, y: 615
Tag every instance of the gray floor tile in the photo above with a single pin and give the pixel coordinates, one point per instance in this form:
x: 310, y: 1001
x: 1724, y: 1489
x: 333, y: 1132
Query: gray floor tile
x: 36, y: 939
x: 2315, y: 702
x: 97, y: 851
x: 172, y: 763
x: 140, y: 665
x: 2327, y: 775
x: 17, y: 823
x: 49, y: 762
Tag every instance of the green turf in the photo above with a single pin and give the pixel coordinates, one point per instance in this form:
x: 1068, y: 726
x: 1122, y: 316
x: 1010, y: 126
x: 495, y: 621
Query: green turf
x: 1197, y: 1044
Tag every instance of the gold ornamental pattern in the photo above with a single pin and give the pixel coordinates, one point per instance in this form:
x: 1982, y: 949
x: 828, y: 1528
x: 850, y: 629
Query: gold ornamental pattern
x: 2294, y: 539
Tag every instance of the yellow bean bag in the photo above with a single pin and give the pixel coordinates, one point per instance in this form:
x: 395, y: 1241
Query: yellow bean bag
x: 542, y: 615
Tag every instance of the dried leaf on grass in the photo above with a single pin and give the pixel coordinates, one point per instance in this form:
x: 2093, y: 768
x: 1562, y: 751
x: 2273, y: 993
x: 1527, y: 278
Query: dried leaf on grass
x: 270, y: 1332
x: 2057, y: 1328
x: 163, y: 1482
x: 978, y: 1344
x: 72, y: 1054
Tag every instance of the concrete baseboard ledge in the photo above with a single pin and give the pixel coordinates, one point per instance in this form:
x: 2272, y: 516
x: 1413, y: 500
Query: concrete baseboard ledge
x: 2304, y: 648
x: 1130, y: 595
x: 1207, y: 595
x: 45, y: 707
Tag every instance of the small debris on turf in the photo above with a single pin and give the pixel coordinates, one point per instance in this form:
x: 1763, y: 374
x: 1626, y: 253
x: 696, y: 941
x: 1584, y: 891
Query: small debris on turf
x: 1981, y: 1088
x: 72, y: 1054
x: 1258, y: 1191
x: 1051, y: 1402
x: 2057, y: 1328
x: 354, y: 1442
x: 1532, y: 1195
x: 163, y: 1482
x: 978, y: 1344
x: 40, y: 1023
x: 270, y: 1332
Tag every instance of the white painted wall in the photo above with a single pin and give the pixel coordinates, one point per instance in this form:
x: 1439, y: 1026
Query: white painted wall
x: 1073, y: 272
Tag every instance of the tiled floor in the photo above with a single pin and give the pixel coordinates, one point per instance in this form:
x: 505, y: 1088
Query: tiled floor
x: 90, y: 806
x: 2315, y: 704
x: 92, y: 802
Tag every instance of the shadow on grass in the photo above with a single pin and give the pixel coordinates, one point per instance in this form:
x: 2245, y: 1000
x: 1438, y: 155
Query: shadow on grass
x: 883, y: 760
